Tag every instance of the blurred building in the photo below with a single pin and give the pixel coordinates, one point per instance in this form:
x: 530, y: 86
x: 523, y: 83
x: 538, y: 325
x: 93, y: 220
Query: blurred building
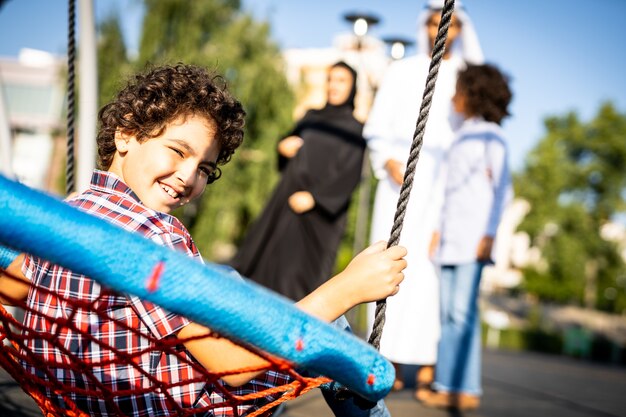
x: 33, y: 89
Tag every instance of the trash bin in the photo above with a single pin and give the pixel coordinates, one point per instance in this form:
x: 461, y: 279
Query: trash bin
x: 577, y: 342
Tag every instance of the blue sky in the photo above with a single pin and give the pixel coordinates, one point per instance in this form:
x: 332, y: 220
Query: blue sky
x: 562, y: 55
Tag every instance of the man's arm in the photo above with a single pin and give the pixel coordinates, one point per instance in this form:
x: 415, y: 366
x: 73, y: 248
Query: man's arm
x: 379, y: 127
x: 500, y: 176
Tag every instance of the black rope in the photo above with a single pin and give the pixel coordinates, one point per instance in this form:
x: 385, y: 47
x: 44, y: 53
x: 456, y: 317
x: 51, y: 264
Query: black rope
x: 416, y: 146
x: 71, y: 55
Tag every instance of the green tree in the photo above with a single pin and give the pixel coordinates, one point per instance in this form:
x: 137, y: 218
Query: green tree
x: 574, y: 180
x: 217, y: 34
x: 112, y: 59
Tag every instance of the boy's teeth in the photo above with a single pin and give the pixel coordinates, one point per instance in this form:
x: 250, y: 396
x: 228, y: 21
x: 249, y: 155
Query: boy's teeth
x: 171, y: 192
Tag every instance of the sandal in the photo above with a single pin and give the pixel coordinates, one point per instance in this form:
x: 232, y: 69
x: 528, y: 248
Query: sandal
x: 423, y: 391
x: 398, y: 383
x: 424, y: 379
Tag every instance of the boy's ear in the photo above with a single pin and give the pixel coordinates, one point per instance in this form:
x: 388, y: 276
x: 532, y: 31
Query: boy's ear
x: 121, y: 141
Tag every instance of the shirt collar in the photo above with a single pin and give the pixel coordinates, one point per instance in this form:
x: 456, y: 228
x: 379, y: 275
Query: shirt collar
x: 478, y: 124
x: 107, y: 182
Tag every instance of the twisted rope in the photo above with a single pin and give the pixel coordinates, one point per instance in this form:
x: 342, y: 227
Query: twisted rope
x: 416, y: 146
x: 71, y: 55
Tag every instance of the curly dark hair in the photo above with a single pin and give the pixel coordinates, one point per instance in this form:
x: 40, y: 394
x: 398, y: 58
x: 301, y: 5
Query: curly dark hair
x: 486, y: 91
x: 163, y: 94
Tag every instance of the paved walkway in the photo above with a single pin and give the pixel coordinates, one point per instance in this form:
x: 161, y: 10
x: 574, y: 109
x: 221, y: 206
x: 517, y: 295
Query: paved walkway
x: 515, y: 385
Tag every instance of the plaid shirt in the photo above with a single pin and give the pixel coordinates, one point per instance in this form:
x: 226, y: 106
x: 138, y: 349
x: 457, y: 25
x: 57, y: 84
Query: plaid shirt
x: 109, y: 198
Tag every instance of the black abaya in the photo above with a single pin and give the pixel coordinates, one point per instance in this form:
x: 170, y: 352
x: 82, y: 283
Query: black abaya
x: 295, y: 253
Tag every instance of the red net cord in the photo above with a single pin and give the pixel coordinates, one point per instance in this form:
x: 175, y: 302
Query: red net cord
x: 70, y: 369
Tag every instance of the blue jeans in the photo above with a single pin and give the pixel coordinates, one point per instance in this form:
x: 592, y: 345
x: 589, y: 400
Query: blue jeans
x: 458, y: 356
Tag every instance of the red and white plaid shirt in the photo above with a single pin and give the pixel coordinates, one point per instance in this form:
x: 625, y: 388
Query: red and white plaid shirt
x: 109, y: 198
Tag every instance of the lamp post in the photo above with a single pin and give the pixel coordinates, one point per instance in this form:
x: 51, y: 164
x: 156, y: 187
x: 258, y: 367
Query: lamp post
x: 397, y: 46
x: 361, y: 22
x: 88, y: 98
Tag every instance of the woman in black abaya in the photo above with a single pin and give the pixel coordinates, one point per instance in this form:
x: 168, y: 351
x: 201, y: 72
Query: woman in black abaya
x: 291, y: 247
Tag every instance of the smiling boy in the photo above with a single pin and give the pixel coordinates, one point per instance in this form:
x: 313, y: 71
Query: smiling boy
x: 160, y: 142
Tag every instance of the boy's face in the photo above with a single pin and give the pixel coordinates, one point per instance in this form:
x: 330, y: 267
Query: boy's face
x: 458, y: 101
x: 171, y: 169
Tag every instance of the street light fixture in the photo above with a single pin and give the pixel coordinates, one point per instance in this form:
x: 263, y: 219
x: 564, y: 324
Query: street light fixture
x: 398, y: 46
x: 361, y: 22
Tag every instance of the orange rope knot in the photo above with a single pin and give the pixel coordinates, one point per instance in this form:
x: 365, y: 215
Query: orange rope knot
x: 370, y: 379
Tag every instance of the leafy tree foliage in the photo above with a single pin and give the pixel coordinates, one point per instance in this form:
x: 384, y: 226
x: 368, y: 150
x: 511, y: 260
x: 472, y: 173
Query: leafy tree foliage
x: 112, y: 60
x: 574, y: 180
